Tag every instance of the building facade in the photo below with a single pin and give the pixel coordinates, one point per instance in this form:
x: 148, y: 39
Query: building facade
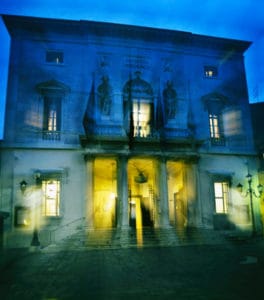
x: 115, y: 126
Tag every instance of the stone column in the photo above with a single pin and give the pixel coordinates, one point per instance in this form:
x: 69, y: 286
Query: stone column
x: 122, y: 190
x: 162, y: 205
x: 89, y: 191
x: 193, y: 208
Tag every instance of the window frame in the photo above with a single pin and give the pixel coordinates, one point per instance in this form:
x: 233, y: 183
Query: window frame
x: 52, y: 122
x: 210, y: 72
x: 44, y: 182
x: 224, y: 197
x: 216, y: 130
x: 58, y: 57
x: 137, y: 117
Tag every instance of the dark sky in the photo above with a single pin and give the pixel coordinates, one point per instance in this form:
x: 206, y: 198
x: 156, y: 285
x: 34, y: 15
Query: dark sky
x: 238, y: 19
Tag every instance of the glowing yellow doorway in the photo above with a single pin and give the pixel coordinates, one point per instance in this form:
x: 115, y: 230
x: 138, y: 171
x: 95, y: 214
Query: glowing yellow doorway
x: 104, y: 193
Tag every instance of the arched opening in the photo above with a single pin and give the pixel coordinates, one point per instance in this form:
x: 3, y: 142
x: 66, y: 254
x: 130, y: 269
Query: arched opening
x: 138, y: 106
x: 141, y: 178
x: 105, y: 193
x: 177, y: 194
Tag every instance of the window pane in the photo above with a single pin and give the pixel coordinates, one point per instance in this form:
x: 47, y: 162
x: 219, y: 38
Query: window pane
x: 219, y: 207
x: 141, y: 118
x: 218, y: 189
x: 210, y: 71
x: 51, y: 197
x: 221, y: 197
x: 54, y: 57
x: 52, y: 120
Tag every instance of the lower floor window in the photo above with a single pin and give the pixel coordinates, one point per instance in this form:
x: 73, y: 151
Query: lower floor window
x: 221, y: 197
x: 51, y: 197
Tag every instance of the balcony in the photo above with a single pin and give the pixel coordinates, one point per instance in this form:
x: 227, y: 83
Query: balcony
x: 51, y: 135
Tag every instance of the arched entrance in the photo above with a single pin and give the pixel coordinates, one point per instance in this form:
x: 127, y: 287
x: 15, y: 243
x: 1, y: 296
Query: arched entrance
x: 177, y: 194
x: 105, y: 193
x: 141, y: 201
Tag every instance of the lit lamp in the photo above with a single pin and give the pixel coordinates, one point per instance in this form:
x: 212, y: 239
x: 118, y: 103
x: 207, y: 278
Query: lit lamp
x: 23, y: 185
x: 251, y: 192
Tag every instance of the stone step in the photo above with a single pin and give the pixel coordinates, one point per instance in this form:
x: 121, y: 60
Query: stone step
x: 86, y: 238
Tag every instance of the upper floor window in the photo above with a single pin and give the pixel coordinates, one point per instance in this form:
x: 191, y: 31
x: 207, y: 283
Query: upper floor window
x: 221, y: 196
x: 52, y: 93
x: 216, y: 131
x: 138, y: 107
x: 215, y: 103
x: 55, y: 57
x: 210, y: 72
x: 51, y: 197
x: 141, y: 118
x: 51, y: 118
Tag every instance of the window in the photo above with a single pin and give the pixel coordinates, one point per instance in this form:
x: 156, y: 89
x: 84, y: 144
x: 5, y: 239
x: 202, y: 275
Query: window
x: 141, y: 118
x: 216, y: 133
x: 51, y: 118
x: 214, y: 126
x: 54, y: 57
x: 210, y: 72
x: 221, y: 197
x: 51, y: 198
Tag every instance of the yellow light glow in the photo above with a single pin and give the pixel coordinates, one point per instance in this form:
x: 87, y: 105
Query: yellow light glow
x: 139, y: 229
x: 112, y: 196
x: 104, y: 195
x: 51, y: 194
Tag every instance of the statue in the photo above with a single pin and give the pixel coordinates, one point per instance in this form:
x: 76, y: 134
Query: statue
x: 104, y: 94
x: 170, y: 98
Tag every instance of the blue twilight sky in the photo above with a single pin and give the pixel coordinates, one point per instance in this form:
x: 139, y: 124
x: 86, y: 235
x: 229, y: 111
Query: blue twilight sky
x: 238, y: 19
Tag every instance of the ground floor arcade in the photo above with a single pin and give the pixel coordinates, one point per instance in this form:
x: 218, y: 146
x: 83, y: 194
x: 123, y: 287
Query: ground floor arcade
x: 140, y: 192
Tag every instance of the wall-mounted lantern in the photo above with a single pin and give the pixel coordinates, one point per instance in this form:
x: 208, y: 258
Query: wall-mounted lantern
x: 251, y: 192
x: 23, y: 185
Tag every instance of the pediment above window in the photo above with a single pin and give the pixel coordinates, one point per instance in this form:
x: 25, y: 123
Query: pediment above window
x: 215, y: 102
x: 52, y: 87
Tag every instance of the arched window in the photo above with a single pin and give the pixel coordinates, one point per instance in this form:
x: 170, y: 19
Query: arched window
x: 138, y: 107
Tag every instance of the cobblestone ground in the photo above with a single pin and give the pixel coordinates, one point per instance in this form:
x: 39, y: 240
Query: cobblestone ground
x: 188, y: 272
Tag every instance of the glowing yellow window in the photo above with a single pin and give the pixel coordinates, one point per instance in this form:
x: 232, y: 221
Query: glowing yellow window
x: 214, y: 126
x: 51, y: 197
x: 52, y: 120
x: 141, y: 118
x: 210, y: 71
x: 221, y: 197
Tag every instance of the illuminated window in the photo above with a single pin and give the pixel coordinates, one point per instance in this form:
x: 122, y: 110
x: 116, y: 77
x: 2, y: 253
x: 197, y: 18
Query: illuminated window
x: 216, y: 134
x: 55, y: 57
x: 210, y: 72
x: 51, y: 118
x: 221, y: 197
x: 214, y: 126
x: 51, y: 197
x: 141, y: 118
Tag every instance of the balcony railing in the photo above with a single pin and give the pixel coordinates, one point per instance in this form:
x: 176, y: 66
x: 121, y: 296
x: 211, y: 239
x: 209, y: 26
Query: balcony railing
x: 220, y: 141
x: 51, y: 135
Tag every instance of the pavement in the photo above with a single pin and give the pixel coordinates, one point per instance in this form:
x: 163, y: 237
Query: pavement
x: 200, y: 272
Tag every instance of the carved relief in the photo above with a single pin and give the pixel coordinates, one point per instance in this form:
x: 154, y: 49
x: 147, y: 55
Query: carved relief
x: 137, y: 62
x: 170, y: 100
x: 105, y: 96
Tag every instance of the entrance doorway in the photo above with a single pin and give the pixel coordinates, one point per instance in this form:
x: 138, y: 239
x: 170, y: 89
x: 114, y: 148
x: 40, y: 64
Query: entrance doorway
x: 140, y: 214
x: 177, y: 194
x: 141, y: 193
x: 105, y: 193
